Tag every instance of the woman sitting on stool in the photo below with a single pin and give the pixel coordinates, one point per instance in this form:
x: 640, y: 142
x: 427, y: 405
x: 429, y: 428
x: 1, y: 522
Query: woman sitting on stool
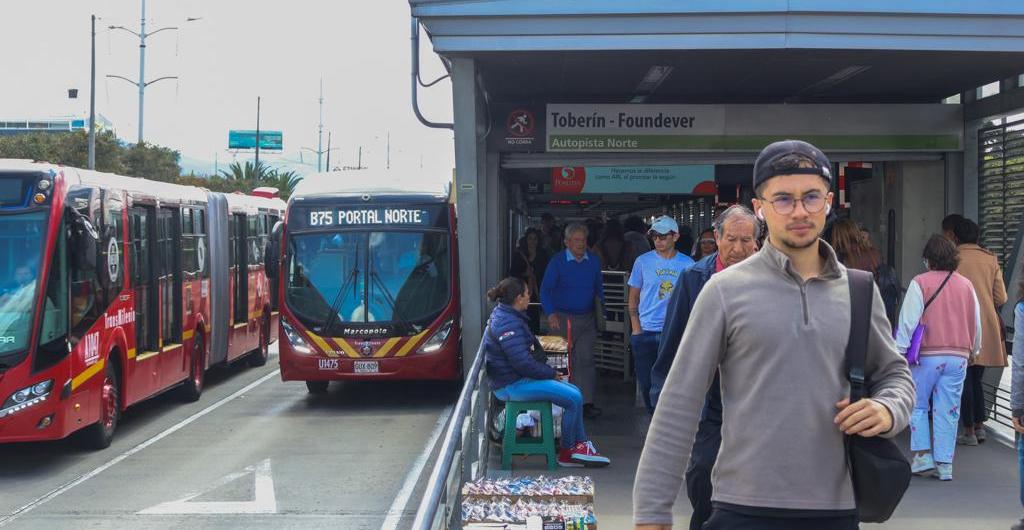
x: 515, y: 375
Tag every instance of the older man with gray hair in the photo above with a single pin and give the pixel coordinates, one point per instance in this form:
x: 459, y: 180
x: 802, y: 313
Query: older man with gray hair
x: 736, y: 233
x: 571, y: 292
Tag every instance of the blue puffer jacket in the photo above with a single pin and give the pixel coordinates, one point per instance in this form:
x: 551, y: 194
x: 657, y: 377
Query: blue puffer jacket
x: 507, y: 345
x: 677, y: 314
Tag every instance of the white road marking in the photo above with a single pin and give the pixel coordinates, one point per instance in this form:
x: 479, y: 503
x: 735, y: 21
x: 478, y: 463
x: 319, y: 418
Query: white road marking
x: 264, y: 502
x: 402, y: 499
x: 67, y: 486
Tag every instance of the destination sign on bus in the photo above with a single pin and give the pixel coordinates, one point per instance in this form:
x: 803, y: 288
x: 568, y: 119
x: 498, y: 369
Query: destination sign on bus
x: 370, y: 216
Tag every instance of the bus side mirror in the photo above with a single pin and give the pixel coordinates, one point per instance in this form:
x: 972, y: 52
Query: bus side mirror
x: 270, y: 262
x: 272, y: 256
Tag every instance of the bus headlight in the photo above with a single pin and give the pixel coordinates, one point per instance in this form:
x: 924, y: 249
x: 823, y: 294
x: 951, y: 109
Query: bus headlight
x: 26, y: 397
x: 436, y: 340
x: 296, y: 341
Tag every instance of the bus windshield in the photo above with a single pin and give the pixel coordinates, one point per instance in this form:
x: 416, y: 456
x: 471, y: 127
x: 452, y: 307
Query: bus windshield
x: 21, y: 242
x: 400, y: 277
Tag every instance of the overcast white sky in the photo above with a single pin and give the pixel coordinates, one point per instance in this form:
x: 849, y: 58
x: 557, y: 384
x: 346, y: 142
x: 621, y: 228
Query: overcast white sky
x: 240, y: 49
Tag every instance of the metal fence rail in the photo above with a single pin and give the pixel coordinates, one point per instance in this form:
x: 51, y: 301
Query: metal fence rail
x: 463, y: 456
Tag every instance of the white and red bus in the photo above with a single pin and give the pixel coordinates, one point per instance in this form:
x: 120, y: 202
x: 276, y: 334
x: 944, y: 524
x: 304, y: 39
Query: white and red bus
x: 369, y: 285
x: 115, y: 289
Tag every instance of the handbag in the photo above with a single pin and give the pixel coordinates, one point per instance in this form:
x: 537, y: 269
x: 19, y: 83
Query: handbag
x: 878, y: 469
x: 914, y: 349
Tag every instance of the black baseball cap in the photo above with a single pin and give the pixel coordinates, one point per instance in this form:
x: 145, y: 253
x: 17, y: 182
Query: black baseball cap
x: 766, y: 165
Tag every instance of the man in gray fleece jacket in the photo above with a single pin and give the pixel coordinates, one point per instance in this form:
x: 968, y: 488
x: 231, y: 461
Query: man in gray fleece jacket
x: 776, y: 326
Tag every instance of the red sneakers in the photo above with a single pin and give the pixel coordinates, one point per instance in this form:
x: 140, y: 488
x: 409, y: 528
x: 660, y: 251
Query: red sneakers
x: 585, y: 453
x: 565, y: 458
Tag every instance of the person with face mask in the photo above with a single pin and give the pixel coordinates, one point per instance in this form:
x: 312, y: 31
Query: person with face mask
x: 775, y: 326
x: 736, y: 232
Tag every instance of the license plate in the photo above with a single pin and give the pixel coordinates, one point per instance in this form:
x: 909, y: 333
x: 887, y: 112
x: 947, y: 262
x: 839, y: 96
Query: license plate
x: 366, y: 367
x: 328, y: 364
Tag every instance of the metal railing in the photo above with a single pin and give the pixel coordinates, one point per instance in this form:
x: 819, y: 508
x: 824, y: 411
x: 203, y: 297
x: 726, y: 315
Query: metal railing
x: 458, y: 462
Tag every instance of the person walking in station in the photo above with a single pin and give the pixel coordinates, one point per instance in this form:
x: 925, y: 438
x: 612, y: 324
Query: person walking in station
x: 651, y: 282
x: 949, y: 223
x: 982, y: 268
x: 1017, y: 389
x: 776, y: 327
x: 705, y: 244
x: 944, y: 303
x: 736, y: 233
x: 516, y: 375
x: 571, y: 292
x: 855, y: 250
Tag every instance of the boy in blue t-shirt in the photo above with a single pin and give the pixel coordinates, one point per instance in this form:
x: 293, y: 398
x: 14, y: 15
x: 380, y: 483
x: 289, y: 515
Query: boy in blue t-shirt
x: 650, y: 286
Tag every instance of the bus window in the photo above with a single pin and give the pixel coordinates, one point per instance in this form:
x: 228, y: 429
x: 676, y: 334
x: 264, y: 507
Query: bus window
x: 169, y: 273
x: 409, y: 276
x: 239, y: 246
x: 112, y: 246
x: 54, y: 328
x: 191, y: 239
x: 86, y: 292
x: 21, y: 247
x: 140, y: 224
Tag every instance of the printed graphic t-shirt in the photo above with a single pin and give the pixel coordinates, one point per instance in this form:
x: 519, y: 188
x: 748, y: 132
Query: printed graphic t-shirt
x: 656, y: 277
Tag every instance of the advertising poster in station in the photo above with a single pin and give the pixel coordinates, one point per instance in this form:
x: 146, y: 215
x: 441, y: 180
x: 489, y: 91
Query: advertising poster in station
x: 670, y: 180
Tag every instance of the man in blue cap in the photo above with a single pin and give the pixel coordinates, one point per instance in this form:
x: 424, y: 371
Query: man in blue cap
x: 651, y: 283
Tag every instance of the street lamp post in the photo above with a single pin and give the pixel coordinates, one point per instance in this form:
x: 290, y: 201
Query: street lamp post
x: 92, y: 101
x: 256, y: 169
x: 142, y: 83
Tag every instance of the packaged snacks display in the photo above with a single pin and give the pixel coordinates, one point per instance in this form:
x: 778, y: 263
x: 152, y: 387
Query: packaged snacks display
x: 562, y: 503
x: 531, y: 486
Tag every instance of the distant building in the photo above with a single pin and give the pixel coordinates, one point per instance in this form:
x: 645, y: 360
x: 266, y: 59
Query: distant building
x: 10, y: 127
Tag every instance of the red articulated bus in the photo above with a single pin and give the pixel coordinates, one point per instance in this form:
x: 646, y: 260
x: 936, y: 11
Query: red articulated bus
x: 369, y: 284
x: 115, y: 289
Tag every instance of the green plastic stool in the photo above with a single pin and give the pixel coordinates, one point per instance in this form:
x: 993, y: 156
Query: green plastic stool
x: 545, y: 445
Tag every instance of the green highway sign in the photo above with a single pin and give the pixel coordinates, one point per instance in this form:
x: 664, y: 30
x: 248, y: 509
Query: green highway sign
x: 270, y: 140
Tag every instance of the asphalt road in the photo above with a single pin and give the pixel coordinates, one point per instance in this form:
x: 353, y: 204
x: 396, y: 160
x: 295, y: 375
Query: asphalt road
x: 253, y: 452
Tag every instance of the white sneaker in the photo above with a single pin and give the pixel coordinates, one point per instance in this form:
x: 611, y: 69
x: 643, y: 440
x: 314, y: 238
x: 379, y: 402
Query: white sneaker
x: 945, y: 471
x: 923, y: 464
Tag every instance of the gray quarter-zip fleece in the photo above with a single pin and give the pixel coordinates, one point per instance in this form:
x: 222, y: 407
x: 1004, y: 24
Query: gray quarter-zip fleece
x: 780, y: 344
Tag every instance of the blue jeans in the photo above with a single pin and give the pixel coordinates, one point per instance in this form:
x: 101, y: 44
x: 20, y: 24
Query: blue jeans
x: 645, y: 352
x: 940, y: 378
x: 564, y: 395
x: 1020, y: 465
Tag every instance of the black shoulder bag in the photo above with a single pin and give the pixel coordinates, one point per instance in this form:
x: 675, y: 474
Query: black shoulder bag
x: 880, y: 472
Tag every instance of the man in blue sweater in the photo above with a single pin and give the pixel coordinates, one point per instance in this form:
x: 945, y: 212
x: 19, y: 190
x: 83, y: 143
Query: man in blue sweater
x: 572, y: 283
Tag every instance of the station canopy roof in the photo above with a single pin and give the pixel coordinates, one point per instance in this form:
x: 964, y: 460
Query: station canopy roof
x: 750, y: 51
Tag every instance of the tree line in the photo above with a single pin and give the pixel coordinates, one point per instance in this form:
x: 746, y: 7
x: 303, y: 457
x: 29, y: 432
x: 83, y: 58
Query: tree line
x: 143, y: 160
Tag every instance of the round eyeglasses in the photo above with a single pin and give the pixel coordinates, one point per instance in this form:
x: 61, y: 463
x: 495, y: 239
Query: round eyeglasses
x: 786, y: 204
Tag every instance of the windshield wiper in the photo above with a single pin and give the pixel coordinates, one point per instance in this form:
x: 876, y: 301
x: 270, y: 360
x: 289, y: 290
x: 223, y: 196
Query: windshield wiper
x: 339, y: 299
x: 405, y: 325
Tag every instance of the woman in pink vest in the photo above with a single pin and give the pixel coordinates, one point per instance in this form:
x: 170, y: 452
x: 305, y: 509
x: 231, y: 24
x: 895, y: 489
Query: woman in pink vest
x: 945, y: 303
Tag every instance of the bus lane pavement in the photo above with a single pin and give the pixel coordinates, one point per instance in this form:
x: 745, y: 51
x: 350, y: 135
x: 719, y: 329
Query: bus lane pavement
x: 274, y: 457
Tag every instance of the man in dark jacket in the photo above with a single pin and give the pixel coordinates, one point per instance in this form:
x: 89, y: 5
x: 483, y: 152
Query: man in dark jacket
x: 736, y: 232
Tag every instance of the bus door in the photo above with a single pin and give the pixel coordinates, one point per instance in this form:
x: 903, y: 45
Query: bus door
x: 239, y: 277
x: 142, y: 228
x: 168, y: 276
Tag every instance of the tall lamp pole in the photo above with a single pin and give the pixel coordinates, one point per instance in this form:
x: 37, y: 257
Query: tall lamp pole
x: 142, y: 83
x: 92, y: 101
x: 257, y: 168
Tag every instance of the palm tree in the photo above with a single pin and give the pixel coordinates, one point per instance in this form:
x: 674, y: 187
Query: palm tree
x: 284, y: 181
x: 247, y: 172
